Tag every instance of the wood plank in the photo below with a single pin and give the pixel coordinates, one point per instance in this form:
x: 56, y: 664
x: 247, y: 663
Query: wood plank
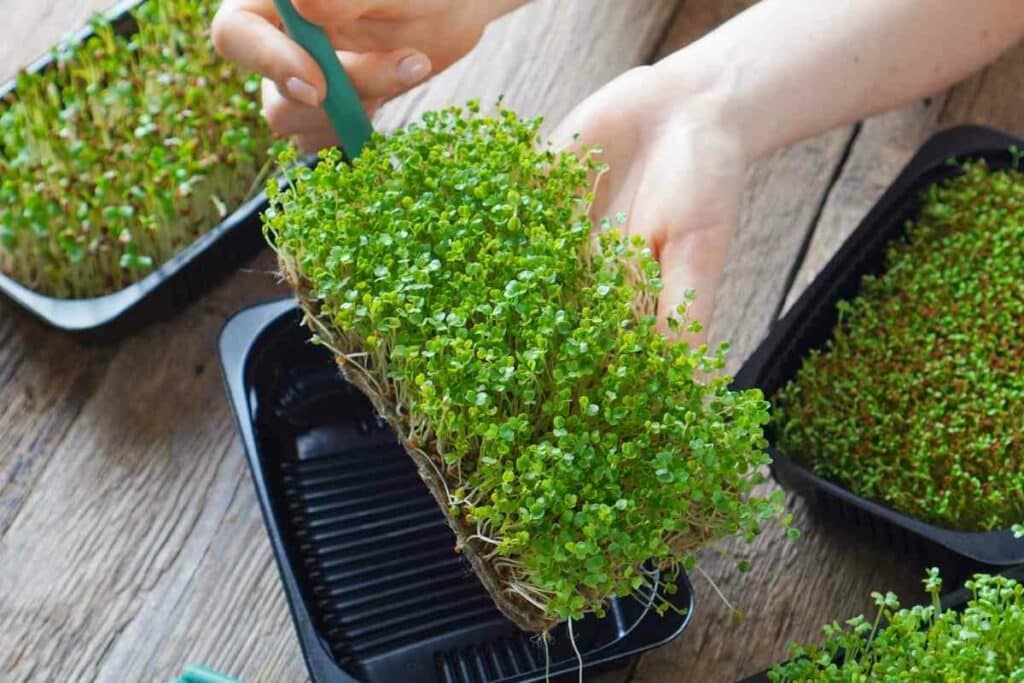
x: 136, y: 545
x: 793, y: 586
x: 46, y: 381
x: 29, y: 29
x: 143, y: 501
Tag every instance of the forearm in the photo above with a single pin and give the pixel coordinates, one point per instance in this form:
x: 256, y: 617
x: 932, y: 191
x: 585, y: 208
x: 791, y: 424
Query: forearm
x: 785, y: 70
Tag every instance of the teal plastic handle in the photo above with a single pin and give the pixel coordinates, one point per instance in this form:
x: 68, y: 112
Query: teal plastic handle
x: 342, y: 105
x: 200, y: 674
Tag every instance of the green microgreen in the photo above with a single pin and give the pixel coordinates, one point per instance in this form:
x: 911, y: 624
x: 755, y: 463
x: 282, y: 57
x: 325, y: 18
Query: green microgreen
x: 983, y: 642
x: 915, y: 401
x: 123, y: 151
x: 455, y: 273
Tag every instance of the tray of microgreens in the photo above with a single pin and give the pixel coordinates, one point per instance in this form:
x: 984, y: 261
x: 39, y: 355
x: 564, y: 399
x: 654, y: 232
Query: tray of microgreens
x: 454, y: 273
x: 897, y: 378
x: 132, y: 162
x: 973, y: 634
x: 367, y: 560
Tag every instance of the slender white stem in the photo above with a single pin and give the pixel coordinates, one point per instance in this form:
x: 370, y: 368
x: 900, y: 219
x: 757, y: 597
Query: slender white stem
x: 579, y: 657
x: 521, y: 592
x: 715, y: 586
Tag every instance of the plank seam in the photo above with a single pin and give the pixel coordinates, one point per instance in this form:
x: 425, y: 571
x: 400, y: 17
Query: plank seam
x: 666, y: 29
x: 947, y: 96
x: 801, y: 254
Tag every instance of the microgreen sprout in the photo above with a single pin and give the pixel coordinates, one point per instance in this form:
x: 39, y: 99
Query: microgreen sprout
x: 916, y: 400
x: 455, y: 273
x: 123, y: 151
x: 984, y: 642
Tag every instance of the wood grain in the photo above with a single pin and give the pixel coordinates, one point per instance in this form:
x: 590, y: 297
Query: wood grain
x: 29, y: 29
x: 130, y: 540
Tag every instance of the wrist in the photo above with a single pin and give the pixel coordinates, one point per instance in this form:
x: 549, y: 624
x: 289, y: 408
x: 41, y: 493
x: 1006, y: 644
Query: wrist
x: 709, y: 85
x: 700, y: 98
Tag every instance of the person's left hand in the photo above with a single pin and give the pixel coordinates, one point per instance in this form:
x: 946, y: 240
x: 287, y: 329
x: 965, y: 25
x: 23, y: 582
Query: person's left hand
x: 677, y: 173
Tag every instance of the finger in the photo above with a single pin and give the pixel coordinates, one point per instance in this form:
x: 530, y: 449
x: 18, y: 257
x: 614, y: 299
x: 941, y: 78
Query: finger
x: 383, y: 75
x: 334, y: 12
x: 314, y: 140
x: 692, y: 261
x: 331, y: 12
x: 444, y: 39
x: 245, y: 32
x: 288, y: 118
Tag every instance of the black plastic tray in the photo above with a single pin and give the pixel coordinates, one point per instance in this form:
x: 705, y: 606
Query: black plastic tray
x: 376, y: 591
x: 809, y: 324
x: 160, y: 294
x: 957, y: 600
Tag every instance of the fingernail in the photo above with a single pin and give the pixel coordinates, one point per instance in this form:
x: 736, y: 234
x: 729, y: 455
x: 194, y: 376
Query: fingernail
x: 412, y: 68
x: 299, y: 90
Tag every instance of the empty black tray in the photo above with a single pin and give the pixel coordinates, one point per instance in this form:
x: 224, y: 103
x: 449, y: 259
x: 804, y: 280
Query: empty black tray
x: 808, y: 325
x: 166, y: 290
x: 957, y: 600
x: 376, y: 591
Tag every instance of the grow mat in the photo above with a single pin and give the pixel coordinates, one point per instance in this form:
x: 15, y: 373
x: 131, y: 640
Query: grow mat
x: 956, y: 600
x: 376, y: 589
x: 809, y: 324
x: 172, y: 285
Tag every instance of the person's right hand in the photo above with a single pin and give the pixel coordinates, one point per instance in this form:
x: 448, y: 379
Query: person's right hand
x: 386, y: 46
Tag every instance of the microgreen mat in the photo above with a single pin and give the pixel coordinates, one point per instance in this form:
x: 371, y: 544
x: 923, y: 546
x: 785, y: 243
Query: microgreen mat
x: 983, y: 643
x: 453, y: 270
x: 124, y: 151
x: 916, y: 400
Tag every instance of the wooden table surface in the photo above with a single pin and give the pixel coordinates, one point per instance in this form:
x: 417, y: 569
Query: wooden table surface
x: 130, y: 539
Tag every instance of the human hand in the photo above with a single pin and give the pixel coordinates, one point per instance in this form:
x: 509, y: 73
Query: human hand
x: 386, y: 46
x: 676, y: 171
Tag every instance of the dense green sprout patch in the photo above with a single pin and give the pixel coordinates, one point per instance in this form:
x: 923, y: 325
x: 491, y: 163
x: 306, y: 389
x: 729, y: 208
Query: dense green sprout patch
x: 124, y: 152
x: 917, y: 399
x: 455, y: 273
x: 983, y: 643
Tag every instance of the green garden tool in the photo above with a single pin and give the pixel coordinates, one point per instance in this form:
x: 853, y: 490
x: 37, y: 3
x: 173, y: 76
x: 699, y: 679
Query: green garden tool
x: 200, y: 674
x: 342, y: 105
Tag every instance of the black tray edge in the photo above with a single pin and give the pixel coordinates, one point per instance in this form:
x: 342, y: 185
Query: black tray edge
x: 989, y: 548
x: 235, y: 340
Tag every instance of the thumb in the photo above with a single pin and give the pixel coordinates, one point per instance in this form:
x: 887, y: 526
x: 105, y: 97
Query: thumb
x: 384, y: 75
